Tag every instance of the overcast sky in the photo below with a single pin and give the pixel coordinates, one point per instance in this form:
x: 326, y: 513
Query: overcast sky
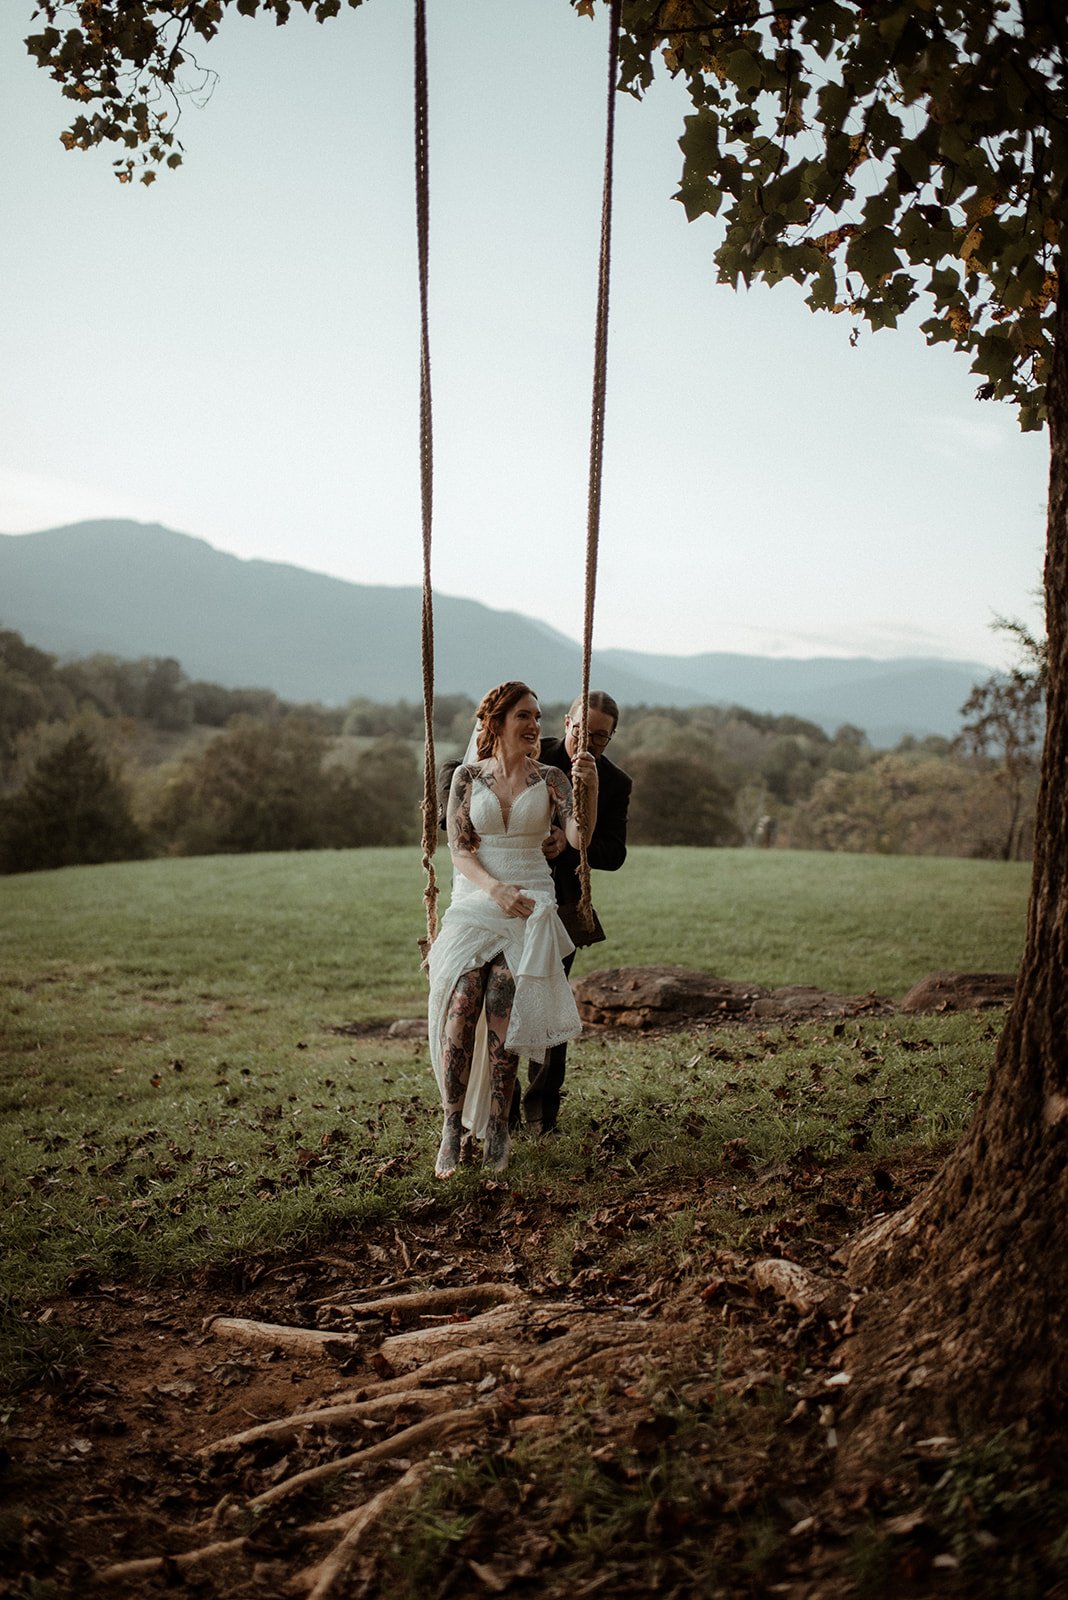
x: 233, y: 352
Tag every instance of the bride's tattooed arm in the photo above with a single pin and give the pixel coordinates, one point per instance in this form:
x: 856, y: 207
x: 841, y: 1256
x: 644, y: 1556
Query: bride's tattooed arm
x: 560, y: 794
x: 563, y: 799
x: 461, y: 830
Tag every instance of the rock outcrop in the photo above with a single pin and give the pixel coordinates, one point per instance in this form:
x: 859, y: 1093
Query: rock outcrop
x: 675, y: 997
x: 960, y: 991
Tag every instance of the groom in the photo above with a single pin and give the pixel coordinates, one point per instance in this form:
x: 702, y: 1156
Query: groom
x: 607, y: 852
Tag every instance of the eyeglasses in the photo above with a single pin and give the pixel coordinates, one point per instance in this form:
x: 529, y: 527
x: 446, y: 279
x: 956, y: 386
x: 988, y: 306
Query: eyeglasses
x: 596, y: 741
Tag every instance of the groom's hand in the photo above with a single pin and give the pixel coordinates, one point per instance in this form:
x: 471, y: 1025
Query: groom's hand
x: 554, y: 843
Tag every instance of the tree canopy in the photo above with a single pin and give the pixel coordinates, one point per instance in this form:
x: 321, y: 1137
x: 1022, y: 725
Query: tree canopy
x: 881, y: 151
x: 123, y: 65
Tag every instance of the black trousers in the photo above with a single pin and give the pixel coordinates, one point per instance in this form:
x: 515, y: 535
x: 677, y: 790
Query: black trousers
x: 541, y: 1099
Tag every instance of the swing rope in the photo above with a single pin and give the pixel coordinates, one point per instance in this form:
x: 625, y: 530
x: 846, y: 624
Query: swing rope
x: 426, y: 474
x: 426, y: 460
x: 593, y: 511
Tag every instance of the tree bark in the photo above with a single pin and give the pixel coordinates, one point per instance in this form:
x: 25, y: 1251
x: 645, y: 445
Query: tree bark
x: 966, y: 1315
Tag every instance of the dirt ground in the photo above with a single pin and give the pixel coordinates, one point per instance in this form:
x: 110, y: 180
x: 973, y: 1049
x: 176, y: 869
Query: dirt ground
x: 511, y: 1396
x: 661, y: 1424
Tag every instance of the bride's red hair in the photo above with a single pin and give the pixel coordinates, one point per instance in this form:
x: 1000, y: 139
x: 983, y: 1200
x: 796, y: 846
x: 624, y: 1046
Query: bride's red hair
x: 492, y: 711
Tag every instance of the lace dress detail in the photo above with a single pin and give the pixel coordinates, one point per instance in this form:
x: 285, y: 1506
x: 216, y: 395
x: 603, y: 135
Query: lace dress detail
x: 474, y: 930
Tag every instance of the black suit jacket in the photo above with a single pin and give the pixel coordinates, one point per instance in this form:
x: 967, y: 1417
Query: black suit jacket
x: 607, y: 849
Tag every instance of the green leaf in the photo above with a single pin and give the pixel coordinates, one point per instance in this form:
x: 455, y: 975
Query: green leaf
x: 700, y: 142
x: 880, y: 210
x: 914, y: 235
x: 823, y: 295
x: 824, y: 26
x: 915, y: 158
x: 745, y: 69
x: 880, y: 314
x: 884, y: 129
x: 702, y: 156
x: 698, y: 197
x: 839, y: 154
x: 873, y: 254
x: 995, y: 355
x: 936, y: 330
x: 835, y: 102
x: 944, y: 283
x: 1033, y: 411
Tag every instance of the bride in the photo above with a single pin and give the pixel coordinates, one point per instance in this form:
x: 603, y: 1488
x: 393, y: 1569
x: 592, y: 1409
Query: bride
x: 497, y: 985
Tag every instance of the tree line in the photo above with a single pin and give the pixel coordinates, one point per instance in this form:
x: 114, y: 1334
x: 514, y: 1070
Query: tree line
x: 103, y: 759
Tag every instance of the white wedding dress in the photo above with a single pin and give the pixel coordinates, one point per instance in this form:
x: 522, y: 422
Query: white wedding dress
x: 474, y: 930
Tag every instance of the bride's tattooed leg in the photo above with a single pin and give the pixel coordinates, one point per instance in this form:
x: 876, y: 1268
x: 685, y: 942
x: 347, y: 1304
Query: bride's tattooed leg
x: 448, y: 1156
x: 460, y: 1023
x: 461, y: 1020
x: 500, y: 993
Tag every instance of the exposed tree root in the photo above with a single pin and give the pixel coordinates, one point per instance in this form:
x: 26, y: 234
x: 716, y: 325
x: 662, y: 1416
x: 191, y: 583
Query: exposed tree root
x: 572, y: 1353
x: 599, y: 1366
x: 403, y: 1351
x: 516, y: 1361
x: 430, y: 1302
x: 286, y: 1428
x: 322, y: 1579
x: 463, y: 1366
x: 432, y: 1431
x: 300, y: 1341
x: 130, y: 1571
x: 800, y: 1289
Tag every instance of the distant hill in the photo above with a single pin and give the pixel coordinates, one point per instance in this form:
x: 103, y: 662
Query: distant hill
x: 133, y: 589
x: 911, y: 694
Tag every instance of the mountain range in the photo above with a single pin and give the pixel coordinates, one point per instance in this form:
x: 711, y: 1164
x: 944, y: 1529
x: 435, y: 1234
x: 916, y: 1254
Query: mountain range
x: 134, y: 589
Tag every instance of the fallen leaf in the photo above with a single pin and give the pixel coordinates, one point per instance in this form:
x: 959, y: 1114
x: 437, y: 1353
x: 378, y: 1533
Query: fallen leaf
x: 906, y: 1523
x: 487, y: 1575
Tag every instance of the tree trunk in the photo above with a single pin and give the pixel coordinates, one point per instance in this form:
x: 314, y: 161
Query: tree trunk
x: 965, y: 1321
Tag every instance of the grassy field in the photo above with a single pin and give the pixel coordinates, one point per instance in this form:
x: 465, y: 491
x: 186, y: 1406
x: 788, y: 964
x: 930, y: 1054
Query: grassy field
x: 337, y: 930
x: 848, y: 923
x: 178, y: 1084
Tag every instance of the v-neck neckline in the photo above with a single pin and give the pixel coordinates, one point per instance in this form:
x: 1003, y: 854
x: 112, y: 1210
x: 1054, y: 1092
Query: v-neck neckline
x: 506, y: 816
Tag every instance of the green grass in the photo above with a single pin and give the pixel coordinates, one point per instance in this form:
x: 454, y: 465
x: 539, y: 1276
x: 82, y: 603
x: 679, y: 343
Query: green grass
x: 848, y: 923
x: 175, y: 1090
x: 328, y: 932
x: 603, y: 1505
x: 610, y: 1510
x: 337, y: 929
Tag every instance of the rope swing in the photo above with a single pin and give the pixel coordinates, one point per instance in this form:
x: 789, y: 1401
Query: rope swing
x: 593, y: 504
x: 426, y: 461
x: 426, y: 475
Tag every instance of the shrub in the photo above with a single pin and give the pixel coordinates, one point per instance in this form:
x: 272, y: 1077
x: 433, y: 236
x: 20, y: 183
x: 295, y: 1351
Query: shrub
x: 71, y: 810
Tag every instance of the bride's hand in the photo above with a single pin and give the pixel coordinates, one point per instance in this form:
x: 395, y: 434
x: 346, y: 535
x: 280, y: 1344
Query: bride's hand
x: 512, y: 901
